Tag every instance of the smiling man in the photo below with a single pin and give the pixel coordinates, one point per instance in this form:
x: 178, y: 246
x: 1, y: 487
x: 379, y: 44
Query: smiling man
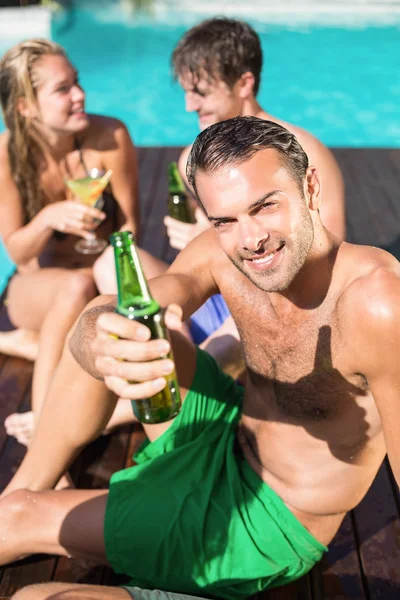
x: 244, y: 489
x: 218, y: 63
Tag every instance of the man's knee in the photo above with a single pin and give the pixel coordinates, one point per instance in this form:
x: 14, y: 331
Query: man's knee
x: 38, y: 591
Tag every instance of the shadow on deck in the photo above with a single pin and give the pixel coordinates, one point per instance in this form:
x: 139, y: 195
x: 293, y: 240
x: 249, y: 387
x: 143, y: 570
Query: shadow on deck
x: 363, y: 561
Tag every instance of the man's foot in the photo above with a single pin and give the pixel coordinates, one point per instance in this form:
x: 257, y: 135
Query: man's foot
x: 122, y: 415
x: 21, y: 426
x: 20, y: 342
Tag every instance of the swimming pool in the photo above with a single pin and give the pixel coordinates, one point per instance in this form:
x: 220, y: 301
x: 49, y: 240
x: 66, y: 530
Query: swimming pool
x: 341, y: 83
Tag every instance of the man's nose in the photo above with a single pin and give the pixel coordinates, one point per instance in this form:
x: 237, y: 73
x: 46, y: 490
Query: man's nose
x: 191, y: 103
x: 252, y: 236
x: 77, y: 93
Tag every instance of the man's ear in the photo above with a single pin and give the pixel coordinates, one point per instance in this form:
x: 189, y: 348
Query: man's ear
x: 312, y: 189
x: 246, y: 85
x: 24, y: 109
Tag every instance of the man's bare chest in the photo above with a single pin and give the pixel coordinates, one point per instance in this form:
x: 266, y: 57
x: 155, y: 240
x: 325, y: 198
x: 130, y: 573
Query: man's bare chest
x: 298, y: 365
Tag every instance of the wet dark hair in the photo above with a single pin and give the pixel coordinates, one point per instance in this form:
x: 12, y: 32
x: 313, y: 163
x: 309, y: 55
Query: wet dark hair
x: 219, y: 48
x: 236, y: 140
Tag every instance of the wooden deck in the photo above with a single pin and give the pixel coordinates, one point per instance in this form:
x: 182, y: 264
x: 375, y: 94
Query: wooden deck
x: 364, y: 559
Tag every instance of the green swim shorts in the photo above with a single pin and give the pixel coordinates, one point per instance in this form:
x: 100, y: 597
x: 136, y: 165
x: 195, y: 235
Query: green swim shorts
x: 192, y: 517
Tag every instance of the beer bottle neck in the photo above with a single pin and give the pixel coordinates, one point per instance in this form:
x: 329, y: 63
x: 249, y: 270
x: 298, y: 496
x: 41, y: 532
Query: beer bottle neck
x: 134, y: 298
x: 175, y: 183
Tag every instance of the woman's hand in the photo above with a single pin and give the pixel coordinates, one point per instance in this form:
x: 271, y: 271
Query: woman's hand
x: 180, y: 234
x: 72, y: 216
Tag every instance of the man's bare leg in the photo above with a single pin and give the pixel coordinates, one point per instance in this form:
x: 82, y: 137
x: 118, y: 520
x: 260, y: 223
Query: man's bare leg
x: 71, y: 591
x: 65, y: 523
x: 23, y: 343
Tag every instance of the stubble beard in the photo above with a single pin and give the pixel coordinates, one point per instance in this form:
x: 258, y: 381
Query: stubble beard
x: 279, y: 279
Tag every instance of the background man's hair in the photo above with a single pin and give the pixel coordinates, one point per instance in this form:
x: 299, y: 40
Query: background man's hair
x: 219, y: 48
x: 236, y: 140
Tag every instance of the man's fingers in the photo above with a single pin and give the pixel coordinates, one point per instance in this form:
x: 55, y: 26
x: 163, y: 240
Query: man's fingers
x: 133, y: 372
x: 105, y: 345
x: 122, y: 327
x: 176, y: 243
x: 134, y: 391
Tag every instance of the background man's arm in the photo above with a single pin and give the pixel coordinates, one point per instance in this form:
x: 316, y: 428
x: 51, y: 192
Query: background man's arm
x: 333, y: 210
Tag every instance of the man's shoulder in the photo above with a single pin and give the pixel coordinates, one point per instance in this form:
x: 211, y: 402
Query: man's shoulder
x: 306, y: 139
x: 371, y: 292
x: 183, y: 157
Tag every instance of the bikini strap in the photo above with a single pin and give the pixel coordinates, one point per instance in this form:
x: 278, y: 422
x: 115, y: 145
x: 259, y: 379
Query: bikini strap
x: 79, y: 148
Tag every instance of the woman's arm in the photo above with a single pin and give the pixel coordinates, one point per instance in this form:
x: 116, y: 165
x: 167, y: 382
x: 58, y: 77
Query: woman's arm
x: 25, y: 242
x: 22, y: 242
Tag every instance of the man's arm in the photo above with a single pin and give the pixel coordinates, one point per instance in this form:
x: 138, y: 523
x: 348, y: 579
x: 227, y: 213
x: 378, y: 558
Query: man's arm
x: 188, y: 283
x: 380, y: 336
x: 82, y: 336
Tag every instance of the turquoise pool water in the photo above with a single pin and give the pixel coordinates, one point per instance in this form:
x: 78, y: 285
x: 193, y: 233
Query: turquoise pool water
x: 340, y: 83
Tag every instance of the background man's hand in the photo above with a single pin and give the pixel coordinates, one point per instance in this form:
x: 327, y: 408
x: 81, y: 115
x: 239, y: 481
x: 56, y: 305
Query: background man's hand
x: 180, y: 234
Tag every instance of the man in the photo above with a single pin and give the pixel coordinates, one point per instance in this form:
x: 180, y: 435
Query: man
x: 218, y: 64
x: 244, y: 488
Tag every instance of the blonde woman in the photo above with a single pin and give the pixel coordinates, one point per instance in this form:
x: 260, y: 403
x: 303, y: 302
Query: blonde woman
x: 50, y: 138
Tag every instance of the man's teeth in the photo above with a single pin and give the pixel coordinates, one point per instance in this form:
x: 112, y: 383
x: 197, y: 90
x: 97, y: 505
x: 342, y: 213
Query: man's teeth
x: 264, y: 258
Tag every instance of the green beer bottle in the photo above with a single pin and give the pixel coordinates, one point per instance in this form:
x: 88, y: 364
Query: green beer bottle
x: 178, y: 202
x: 135, y: 302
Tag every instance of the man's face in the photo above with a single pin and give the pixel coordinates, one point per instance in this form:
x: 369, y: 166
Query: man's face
x: 213, y: 100
x: 260, y: 217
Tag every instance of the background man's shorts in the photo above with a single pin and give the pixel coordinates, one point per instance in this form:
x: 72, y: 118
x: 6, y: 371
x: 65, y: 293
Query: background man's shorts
x: 192, y: 517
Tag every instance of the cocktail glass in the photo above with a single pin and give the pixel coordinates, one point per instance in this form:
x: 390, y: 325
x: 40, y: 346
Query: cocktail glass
x: 89, y: 191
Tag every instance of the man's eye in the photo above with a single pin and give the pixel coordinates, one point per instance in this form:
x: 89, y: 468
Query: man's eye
x: 268, y: 206
x: 219, y: 224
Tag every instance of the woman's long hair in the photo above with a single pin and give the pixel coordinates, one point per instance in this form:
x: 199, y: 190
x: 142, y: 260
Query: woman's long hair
x: 25, y: 144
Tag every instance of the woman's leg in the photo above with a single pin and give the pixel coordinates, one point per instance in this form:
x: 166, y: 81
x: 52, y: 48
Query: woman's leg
x: 56, y: 298
x: 104, y: 269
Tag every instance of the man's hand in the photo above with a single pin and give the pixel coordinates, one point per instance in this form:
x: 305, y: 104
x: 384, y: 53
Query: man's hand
x: 180, y: 234
x: 132, y: 365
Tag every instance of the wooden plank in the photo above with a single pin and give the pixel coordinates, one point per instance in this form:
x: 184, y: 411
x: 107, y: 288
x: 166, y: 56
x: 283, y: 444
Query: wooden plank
x: 35, y: 569
x: 378, y: 527
x: 339, y: 576
x: 15, y: 379
x: 362, y: 224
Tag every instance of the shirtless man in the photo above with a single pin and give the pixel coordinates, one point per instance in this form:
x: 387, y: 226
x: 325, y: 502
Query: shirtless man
x: 218, y: 64
x: 243, y: 488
